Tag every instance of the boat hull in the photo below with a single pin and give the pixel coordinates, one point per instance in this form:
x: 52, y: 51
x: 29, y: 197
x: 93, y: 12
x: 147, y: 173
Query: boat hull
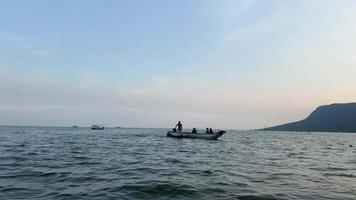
x: 97, y: 127
x: 211, y: 136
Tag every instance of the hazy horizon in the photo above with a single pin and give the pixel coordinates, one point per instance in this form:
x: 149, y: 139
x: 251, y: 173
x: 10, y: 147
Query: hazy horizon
x: 225, y: 64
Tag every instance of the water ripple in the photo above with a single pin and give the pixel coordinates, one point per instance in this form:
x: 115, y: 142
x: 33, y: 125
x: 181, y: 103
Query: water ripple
x: 67, y: 163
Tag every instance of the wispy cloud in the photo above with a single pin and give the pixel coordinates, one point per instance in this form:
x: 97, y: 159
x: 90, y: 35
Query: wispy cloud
x: 4, y: 35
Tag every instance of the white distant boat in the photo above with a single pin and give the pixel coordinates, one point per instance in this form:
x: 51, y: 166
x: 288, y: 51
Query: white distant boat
x: 97, y: 127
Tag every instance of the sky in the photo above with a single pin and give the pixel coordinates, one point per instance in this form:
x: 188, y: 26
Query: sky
x: 240, y: 64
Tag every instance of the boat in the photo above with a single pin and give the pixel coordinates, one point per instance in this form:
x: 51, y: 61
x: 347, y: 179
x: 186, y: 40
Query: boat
x: 97, y: 127
x: 208, y: 136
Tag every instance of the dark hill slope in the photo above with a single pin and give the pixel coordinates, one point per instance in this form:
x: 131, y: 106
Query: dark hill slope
x: 328, y: 118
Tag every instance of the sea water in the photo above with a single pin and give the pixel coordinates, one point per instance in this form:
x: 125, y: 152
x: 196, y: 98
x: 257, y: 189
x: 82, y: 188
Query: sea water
x: 79, y: 163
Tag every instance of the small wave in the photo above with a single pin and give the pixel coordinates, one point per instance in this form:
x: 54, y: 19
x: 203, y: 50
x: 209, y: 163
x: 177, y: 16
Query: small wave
x: 18, y: 132
x: 14, y: 158
x: 65, y: 196
x: 200, y: 172
x: 82, y: 179
x: 15, y: 189
x: 212, y: 190
x: 48, y: 174
x: 174, y: 160
x: 81, y: 157
x: 32, y: 153
x: 82, y: 163
x: 328, y: 168
x: 157, y: 190
x: 139, y: 136
x: 146, y: 170
x: 258, y: 197
x: 340, y: 174
x: 31, y: 175
x: 295, y: 154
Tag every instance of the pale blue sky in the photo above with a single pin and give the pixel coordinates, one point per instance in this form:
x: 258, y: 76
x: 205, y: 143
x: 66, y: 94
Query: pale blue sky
x: 228, y: 64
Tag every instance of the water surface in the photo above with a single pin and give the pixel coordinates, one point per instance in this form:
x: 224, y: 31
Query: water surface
x: 78, y: 163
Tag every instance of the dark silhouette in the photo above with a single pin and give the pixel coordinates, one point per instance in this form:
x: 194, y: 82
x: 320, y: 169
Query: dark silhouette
x: 327, y: 118
x: 179, y: 126
x: 207, y: 130
x: 211, y: 131
x: 194, y: 130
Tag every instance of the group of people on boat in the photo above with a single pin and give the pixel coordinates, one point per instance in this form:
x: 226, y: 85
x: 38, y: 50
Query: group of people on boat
x: 179, y: 128
x: 209, y: 131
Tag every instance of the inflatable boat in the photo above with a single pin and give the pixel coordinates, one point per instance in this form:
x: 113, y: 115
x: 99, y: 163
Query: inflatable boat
x: 208, y: 136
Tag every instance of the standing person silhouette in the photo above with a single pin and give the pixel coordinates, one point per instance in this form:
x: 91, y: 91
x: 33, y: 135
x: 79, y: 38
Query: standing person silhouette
x: 179, y: 126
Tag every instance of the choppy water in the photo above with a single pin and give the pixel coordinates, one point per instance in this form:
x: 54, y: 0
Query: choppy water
x: 77, y: 163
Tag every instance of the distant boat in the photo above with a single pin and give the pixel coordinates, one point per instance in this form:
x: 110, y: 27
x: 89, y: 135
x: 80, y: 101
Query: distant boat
x: 117, y: 127
x: 97, y: 127
x: 74, y: 126
x: 208, y: 136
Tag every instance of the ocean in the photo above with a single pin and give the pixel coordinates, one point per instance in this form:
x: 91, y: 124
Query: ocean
x: 78, y: 163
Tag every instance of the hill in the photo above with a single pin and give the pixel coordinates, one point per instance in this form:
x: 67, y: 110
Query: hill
x: 328, y: 118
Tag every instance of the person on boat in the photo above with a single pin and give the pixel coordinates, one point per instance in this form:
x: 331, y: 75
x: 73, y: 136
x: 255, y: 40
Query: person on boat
x: 211, y: 131
x: 194, y: 130
x: 207, y: 130
x: 179, y: 126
